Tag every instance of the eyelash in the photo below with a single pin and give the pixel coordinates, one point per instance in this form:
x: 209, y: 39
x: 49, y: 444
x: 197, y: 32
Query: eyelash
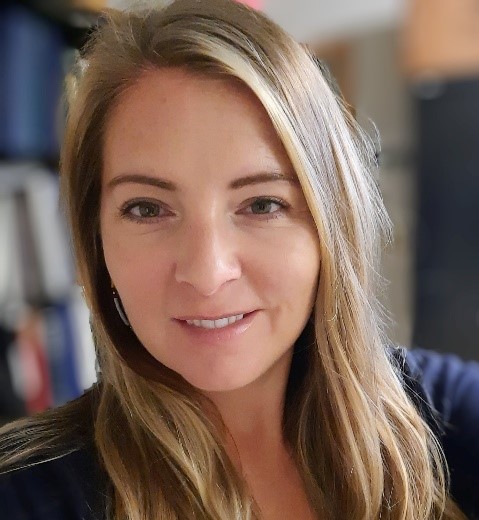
x: 283, y: 206
x: 125, y: 210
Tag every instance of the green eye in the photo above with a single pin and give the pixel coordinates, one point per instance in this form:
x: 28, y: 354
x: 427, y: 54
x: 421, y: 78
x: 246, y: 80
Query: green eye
x: 144, y: 210
x: 264, y: 206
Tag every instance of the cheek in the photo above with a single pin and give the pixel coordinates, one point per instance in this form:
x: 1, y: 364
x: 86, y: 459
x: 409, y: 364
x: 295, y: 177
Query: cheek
x: 138, y: 270
x: 305, y: 264
x: 288, y: 270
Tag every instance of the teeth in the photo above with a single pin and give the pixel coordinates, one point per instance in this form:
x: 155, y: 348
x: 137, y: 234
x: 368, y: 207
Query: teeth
x: 215, y: 324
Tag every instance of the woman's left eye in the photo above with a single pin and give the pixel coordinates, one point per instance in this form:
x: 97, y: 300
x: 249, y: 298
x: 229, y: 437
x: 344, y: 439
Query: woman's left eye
x: 265, y: 206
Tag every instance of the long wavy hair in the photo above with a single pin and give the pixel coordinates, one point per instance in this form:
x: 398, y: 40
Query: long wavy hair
x: 361, y: 447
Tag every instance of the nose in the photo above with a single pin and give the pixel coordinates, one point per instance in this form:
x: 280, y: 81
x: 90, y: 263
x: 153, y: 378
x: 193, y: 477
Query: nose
x: 207, y: 257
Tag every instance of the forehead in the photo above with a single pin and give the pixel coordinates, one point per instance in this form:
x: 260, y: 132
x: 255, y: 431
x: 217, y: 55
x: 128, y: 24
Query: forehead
x: 174, y: 94
x: 176, y: 115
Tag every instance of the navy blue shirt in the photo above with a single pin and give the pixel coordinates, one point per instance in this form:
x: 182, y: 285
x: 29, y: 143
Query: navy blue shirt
x: 452, y: 387
x: 72, y: 487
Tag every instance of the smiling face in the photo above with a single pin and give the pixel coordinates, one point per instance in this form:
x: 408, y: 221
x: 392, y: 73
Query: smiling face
x: 205, y: 230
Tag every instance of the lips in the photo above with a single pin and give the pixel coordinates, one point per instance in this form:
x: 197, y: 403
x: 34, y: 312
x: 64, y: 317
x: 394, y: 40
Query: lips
x: 206, y: 331
x: 213, y: 316
x: 216, y: 324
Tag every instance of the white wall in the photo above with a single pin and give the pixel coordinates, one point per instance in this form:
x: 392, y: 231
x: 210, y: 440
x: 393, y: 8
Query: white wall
x: 317, y: 20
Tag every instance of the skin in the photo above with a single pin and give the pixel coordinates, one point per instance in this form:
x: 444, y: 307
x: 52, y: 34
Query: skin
x: 211, y: 247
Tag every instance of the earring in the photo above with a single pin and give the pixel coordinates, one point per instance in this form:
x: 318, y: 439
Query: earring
x: 119, y: 308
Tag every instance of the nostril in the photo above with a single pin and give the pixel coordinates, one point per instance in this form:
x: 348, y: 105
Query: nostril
x: 207, y: 278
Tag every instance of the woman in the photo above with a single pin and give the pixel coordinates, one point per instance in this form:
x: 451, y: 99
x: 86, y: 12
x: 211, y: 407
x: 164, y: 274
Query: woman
x: 226, y: 231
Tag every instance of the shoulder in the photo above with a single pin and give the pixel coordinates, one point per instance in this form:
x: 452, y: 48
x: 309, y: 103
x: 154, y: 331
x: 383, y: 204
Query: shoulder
x: 49, y: 467
x: 450, y: 385
x: 453, y: 387
x: 67, y: 487
x: 446, y: 390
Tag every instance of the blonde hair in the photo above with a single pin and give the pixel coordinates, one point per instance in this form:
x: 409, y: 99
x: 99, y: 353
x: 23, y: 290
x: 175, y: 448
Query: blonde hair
x: 361, y: 447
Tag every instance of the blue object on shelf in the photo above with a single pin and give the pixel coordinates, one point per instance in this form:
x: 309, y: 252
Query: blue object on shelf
x: 30, y: 84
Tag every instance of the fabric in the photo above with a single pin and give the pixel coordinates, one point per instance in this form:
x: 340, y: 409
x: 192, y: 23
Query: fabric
x: 71, y: 488
x: 68, y: 488
x: 451, y: 386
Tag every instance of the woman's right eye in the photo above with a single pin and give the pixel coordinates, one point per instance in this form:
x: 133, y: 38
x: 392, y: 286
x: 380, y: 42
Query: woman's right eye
x: 142, y: 211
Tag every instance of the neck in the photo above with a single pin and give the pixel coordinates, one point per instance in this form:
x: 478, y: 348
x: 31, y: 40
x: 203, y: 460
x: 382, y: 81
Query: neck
x: 253, y: 415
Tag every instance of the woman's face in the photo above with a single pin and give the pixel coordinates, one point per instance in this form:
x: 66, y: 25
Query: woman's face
x: 203, y: 222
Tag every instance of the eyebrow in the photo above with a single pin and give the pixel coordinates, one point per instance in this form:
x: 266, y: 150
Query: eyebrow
x: 249, y: 180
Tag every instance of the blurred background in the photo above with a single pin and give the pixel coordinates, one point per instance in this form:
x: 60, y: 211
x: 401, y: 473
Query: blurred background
x: 409, y: 68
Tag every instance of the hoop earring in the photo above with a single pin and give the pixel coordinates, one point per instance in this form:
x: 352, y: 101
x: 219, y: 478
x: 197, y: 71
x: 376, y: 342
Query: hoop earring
x: 119, y: 307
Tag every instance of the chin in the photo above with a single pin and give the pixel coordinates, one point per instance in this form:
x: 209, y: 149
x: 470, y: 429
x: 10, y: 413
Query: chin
x: 220, y: 383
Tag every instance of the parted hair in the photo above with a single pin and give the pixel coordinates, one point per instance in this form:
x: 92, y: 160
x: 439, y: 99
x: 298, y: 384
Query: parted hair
x: 362, y: 448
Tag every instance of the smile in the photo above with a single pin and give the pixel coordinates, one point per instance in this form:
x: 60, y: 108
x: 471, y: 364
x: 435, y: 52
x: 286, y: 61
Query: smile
x: 216, y: 324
